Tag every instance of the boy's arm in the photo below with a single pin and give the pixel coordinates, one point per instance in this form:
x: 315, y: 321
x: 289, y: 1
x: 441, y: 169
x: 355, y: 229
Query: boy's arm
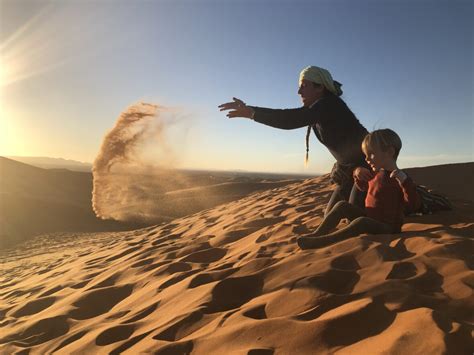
x: 361, y: 184
x: 411, y: 198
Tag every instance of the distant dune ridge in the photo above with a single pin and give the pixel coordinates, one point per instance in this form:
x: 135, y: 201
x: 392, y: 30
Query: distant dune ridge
x: 231, y: 280
x: 54, y: 163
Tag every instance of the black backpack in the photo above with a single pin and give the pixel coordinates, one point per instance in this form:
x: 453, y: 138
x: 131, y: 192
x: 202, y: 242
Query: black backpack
x: 431, y: 201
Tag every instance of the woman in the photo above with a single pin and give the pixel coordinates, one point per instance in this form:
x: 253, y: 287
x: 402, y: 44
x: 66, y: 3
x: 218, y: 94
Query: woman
x: 332, y: 121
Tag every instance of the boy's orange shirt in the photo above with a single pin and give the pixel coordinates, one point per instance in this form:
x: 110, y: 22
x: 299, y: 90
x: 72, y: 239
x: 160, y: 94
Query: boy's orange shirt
x: 387, y: 200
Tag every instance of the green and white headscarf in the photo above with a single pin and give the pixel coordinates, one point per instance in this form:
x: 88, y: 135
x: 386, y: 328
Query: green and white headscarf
x: 323, y: 77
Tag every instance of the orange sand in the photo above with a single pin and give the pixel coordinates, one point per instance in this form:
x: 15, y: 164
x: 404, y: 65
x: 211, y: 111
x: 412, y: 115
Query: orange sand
x: 231, y: 280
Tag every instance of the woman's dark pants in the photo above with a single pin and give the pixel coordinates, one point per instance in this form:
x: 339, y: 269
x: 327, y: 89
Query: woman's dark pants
x: 347, y: 192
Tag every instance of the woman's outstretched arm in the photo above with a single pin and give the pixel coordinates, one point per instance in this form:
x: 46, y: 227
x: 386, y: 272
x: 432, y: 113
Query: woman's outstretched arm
x: 278, y: 118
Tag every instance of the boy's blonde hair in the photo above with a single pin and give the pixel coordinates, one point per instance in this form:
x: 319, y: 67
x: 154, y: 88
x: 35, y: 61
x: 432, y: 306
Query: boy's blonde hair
x: 382, y: 139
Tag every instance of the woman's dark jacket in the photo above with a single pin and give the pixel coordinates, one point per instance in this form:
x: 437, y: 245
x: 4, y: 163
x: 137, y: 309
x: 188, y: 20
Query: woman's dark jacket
x: 333, y: 123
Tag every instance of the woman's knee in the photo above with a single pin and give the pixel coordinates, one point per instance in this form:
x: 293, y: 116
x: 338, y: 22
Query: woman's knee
x: 341, y: 204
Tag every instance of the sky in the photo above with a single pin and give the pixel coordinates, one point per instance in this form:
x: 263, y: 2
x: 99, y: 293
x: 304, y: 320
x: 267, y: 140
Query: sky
x: 69, y: 68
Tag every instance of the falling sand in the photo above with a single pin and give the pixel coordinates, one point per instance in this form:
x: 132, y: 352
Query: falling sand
x: 122, y: 178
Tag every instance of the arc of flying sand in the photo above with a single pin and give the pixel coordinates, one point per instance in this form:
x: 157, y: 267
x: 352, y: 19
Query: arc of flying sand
x: 119, y: 145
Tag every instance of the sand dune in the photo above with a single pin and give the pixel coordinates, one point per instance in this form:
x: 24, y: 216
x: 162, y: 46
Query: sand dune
x: 231, y: 280
x: 34, y: 201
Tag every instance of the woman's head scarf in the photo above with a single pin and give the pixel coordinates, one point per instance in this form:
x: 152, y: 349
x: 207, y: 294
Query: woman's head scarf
x: 323, y: 77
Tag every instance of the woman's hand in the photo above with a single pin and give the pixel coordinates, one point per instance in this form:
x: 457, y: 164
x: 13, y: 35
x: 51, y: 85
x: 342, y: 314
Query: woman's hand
x: 237, y: 109
x: 362, y: 174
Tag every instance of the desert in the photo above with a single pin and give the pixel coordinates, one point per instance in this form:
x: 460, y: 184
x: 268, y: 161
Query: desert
x: 236, y: 177
x: 231, y: 280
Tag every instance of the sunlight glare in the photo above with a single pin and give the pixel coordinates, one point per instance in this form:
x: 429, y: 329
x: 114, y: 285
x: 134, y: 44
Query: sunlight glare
x: 43, y: 42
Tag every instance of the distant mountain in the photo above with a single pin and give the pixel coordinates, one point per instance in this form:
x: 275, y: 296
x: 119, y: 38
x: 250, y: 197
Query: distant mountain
x: 54, y: 163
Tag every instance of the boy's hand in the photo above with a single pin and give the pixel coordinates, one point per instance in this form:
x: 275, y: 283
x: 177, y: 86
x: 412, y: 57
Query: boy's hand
x: 399, y: 175
x: 362, y: 174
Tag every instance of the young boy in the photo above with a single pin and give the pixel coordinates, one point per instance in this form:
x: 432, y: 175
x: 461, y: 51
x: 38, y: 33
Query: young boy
x: 389, y: 193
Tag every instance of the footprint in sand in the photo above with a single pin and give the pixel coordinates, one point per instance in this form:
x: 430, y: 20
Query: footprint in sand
x: 306, y: 208
x: 345, y: 262
x: 279, y: 209
x: 209, y: 277
x: 80, y: 284
x: 117, y: 315
x: 154, y: 266
x: 39, y: 332
x: 372, y: 316
x: 21, y: 292
x: 142, y: 262
x: 167, y: 238
x: 70, y: 340
x: 94, y: 261
x: 233, y: 292
x: 427, y: 282
x: 232, y: 236
x: 34, y: 307
x: 395, y: 251
x: 88, y: 278
x: 181, y: 328
x: 176, y: 348
x: 263, y: 222
x: 403, y: 270
x: 115, y: 334
x: 172, y: 268
x: 51, y: 291
x: 257, y: 312
x: 99, y: 301
x: 129, y: 343
x: 206, y: 256
x: 264, y: 237
x: 325, y: 305
x: 171, y: 249
x: 338, y: 282
x: 142, y: 314
x: 109, y: 281
x: 176, y: 279
x: 192, y: 248
x: 124, y: 253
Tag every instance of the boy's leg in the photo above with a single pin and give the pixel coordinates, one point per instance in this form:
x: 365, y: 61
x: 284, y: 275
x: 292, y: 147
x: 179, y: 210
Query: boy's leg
x: 340, y: 193
x: 341, y: 210
x: 357, y: 197
x: 358, y: 226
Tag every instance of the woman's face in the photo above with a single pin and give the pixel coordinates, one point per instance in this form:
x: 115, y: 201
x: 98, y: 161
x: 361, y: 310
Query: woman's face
x: 310, y: 92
